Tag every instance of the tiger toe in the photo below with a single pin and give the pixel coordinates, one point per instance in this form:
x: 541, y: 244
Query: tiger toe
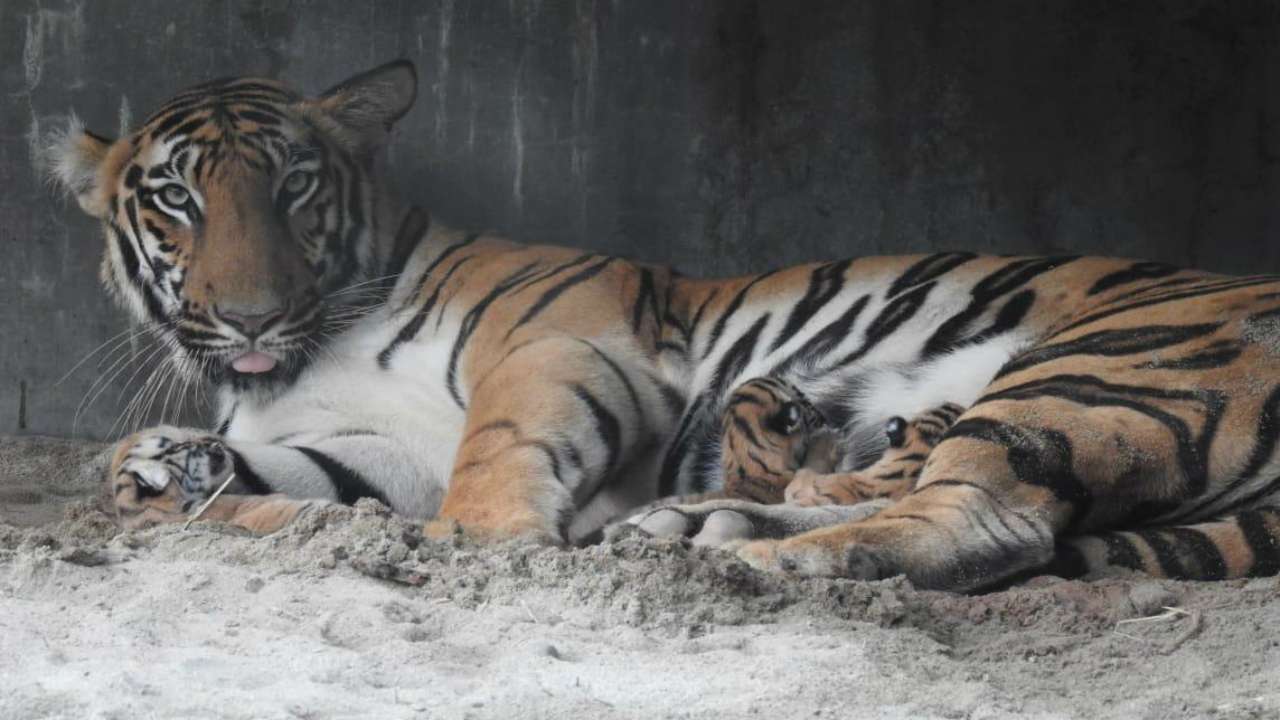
x: 723, y: 527
x: 140, y: 502
x: 806, y: 559
x: 664, y: 522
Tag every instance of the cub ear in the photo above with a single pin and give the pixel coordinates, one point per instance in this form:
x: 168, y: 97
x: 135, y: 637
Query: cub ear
x: 365, y: 106
x: 73, y: 157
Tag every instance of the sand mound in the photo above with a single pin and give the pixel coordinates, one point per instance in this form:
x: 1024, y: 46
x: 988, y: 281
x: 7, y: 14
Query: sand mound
x: 352, y: 614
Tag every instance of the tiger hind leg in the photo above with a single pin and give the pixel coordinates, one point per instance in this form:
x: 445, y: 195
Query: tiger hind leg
x: 1246, y: 544
x: 1014, y: 474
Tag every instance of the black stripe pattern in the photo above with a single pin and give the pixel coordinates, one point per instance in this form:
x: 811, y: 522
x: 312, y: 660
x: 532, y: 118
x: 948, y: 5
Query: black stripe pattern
x: 347, y: 484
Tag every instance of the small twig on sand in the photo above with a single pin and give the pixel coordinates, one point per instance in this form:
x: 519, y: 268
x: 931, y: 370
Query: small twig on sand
x: 1170, y: 613
x: 532, y: 617
x: 1197, y: 624
x: 586, y: 690
x: 205, y: 505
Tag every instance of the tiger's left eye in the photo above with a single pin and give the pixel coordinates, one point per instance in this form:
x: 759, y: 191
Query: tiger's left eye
x: 174, y: 195
x: 297, y: 181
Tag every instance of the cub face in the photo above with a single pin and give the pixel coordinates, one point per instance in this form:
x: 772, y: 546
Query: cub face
x: 768, y: 431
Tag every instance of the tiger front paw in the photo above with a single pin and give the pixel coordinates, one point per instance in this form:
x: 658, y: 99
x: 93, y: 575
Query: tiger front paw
x: 160, y: 475
x: 803, y: 557
x: 808, y: 488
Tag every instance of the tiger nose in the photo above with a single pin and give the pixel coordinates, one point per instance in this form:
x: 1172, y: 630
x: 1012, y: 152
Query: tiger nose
x: 251, y: 324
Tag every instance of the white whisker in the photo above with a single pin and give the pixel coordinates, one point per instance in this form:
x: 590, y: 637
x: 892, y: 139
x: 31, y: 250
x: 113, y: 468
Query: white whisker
x: 108, y: 378
x: 131, y: 332
x: 363, y: 283
x: 125, y: 413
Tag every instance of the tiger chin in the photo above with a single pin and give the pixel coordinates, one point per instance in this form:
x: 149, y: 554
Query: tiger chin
x: 1111, y: 413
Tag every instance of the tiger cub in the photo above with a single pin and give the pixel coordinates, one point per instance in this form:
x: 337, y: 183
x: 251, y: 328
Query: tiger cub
x: 891, y: 477
x: 776, y: 446
x: 769, y: 429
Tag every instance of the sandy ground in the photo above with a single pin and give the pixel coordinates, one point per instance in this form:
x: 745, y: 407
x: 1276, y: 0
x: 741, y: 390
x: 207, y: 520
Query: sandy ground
x: 350, y: 614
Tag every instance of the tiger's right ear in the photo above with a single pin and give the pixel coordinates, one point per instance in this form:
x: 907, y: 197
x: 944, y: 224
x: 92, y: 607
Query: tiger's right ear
x: 74, y: 158
x: 363, y: 108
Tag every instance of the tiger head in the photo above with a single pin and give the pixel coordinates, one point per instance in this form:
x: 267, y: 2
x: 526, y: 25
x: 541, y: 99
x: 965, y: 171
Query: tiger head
x: 239, y: 216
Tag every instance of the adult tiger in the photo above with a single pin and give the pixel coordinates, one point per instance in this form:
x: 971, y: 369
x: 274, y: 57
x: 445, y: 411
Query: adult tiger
x: 537, y: 390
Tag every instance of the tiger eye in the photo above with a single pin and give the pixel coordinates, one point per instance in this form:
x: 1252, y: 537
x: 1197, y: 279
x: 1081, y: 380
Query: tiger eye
x: 786, y: 420
x: 297, y: 181
x: 896, y: 430
x: 174, y: 195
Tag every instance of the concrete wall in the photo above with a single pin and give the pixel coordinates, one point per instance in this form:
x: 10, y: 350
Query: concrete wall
x: 718, y: 135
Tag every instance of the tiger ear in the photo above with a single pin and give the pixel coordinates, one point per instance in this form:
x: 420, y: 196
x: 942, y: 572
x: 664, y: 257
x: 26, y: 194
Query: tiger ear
x: 365, y: 106
x: 73, y: 157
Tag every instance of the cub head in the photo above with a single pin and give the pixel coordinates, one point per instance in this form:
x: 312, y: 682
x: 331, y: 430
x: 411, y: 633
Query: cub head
x: 240, y: 215
x: 768, y: 430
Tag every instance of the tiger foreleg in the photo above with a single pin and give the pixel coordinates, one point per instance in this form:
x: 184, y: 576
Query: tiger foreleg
x: 554, y: 423
x: 166, y: 475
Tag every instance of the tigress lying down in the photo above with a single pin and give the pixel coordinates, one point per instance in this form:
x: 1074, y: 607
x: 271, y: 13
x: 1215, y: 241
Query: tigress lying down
x: 1116, y: 413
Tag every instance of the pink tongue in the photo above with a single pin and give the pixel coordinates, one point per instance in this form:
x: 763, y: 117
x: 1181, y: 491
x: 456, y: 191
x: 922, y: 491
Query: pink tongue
x: 253, y: 362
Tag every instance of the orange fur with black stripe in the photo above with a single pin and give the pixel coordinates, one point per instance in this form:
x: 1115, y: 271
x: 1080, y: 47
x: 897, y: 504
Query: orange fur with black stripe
x: 1116, y: 412
x: 1136, y: 429
x: 769, y: 431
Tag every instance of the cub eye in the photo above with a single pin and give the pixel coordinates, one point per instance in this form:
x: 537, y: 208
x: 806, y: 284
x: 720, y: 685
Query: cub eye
x: 174, y: 195
x: 896, y: 429
x: 297, y: 181
x: 788, y: 418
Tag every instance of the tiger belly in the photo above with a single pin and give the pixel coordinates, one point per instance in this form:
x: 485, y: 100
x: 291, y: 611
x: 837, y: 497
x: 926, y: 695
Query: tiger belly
x: 957, y: 377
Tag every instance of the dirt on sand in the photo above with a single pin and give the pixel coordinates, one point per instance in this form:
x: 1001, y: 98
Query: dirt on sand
x: 351, y: 614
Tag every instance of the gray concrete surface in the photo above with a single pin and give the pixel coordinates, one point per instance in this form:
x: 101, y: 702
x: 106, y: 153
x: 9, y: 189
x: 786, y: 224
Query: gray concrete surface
x: 719, y: 135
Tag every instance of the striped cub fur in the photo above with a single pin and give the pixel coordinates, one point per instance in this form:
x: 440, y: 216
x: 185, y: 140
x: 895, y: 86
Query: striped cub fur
x: 892, y: 476
x: 769, y: 430
x: 1115, y: 412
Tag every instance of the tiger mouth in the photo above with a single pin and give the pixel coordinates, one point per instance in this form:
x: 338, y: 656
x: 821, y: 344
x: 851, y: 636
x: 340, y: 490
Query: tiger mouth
x: 268, y: 360
x: 246, y: 365
x: 254, y: 362
x: 257, y: 369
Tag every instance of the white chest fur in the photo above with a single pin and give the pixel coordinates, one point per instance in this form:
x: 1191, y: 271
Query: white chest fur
x: 346, y: 390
